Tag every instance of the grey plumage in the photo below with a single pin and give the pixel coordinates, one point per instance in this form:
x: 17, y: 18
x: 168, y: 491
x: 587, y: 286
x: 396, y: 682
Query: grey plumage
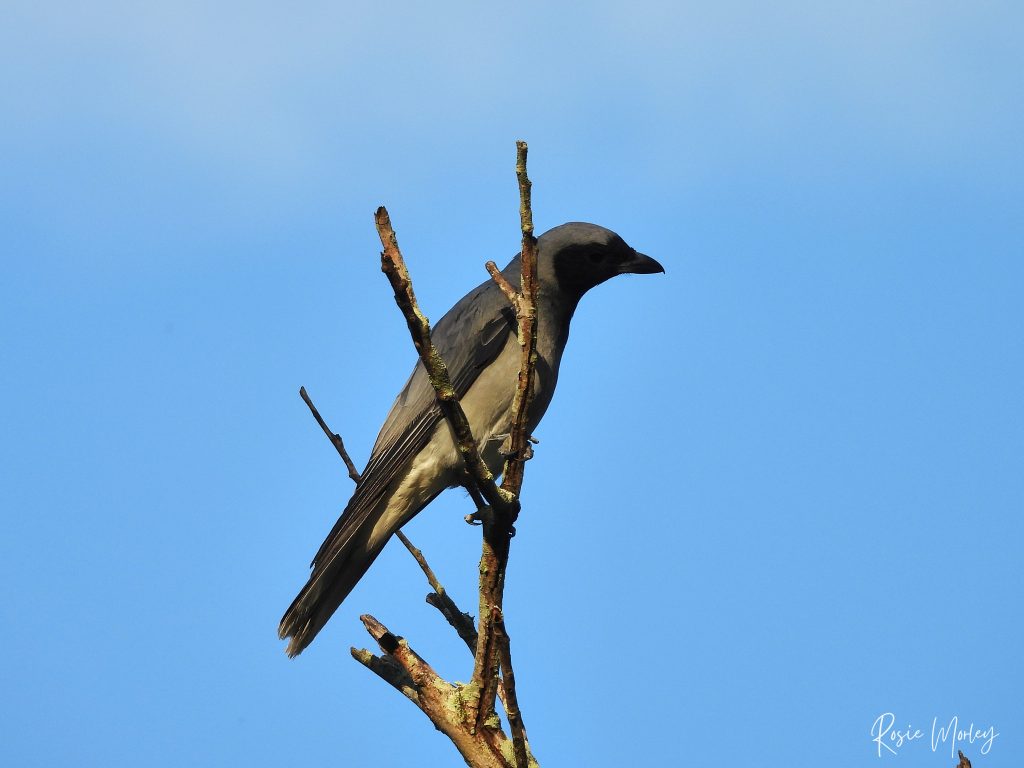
x: 414, y: 458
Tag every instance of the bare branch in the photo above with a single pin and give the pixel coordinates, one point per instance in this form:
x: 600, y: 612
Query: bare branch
x: 393, y: 265
x: 389, y: 671
x: 462, y: 623
x: 465, y: 713
x: 442, y: 702
x: 526, y: 315
x: 506, y: 287
x: 494, y: 558
x: 421, y: 673
x: 510, y: 700
x: 334, y: 437
x: 422, y: 561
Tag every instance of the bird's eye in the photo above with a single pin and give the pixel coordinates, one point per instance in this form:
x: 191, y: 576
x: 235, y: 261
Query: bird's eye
x: 596, y: 257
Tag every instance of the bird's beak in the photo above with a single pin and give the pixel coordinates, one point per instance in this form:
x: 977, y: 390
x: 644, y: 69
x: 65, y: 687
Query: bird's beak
x: 640, y: 264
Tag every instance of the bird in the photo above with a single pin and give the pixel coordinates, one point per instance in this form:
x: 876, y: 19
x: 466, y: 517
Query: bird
x: 414, y: 457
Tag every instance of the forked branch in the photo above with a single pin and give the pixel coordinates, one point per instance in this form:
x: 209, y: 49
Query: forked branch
x: 492, y: 650
x: 466, y: 713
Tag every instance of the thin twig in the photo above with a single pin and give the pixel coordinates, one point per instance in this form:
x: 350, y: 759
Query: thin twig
x: 334, y: 437
x: 424, y: 565
x: 506, y: 287
x: 460, y: 621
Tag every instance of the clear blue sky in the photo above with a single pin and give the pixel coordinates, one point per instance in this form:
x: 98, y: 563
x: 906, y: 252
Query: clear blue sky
x: 778, y: 493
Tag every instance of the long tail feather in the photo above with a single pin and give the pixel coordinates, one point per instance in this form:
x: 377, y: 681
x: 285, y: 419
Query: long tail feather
x: 327, y: 588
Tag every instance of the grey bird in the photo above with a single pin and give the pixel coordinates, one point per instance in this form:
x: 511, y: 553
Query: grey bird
x: 414, y: 458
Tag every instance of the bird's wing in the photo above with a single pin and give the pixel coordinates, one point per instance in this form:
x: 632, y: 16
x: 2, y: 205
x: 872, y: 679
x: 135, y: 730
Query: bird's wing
x: 468, y: 338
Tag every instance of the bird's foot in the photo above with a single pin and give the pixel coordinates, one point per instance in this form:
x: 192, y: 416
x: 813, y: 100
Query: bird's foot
x: 485, y: 515
x: 506, y: 447
x: 482, y: 515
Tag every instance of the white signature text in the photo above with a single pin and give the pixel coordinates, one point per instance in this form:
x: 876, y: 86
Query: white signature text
x: 889, y: 738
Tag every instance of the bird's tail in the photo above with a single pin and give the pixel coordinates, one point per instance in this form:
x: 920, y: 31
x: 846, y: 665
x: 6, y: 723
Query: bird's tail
x: 336, y: 571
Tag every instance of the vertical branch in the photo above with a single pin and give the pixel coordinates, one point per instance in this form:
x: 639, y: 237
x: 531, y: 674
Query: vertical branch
x: 491, y: 639
x: 510, y: 700
x: 526, y: 315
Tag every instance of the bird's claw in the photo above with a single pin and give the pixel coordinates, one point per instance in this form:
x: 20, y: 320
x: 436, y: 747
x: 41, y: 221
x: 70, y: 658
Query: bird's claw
x: 506, y: 448
x: 482, y: 515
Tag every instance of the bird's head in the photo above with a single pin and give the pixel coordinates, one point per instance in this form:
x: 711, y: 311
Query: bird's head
x: 577, y: 256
